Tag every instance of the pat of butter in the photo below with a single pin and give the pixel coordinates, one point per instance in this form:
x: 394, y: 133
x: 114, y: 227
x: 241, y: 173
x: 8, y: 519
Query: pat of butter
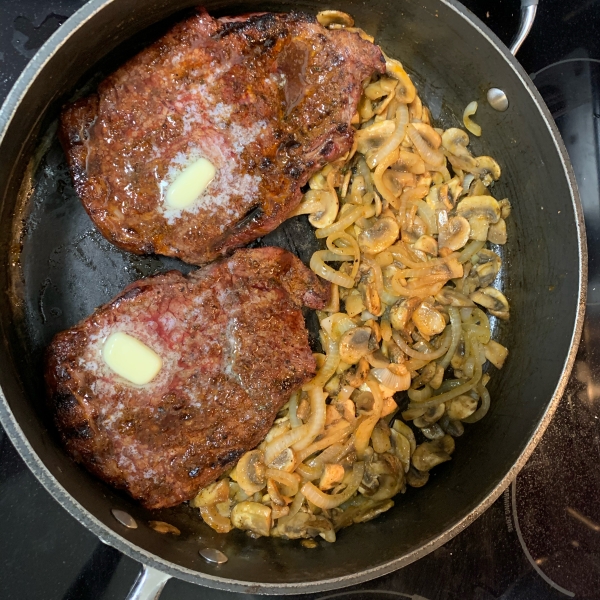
x: 130, y: 358
x: 190, y: 183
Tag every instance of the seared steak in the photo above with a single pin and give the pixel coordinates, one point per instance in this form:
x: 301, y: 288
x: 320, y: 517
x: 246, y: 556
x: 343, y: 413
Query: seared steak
x: 266, y: 98
x: 234, y: 346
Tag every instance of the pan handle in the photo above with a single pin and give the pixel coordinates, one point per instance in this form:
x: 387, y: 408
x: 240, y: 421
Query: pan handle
x: 528, y: 11
x: 149, y: 584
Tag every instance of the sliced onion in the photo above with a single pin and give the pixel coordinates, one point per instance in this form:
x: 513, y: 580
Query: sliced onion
x: 326, y: 372
x: 455, y: 327
x: 426, y: 152
x: 276, y: 446
x: 472, y: 248
x: 333, y: 438
x: 307, y: 472
x: 316, y: 421
x: 295, y: 507
x: 390, y: 380
x: 420, y: 395
x: 328, y: 501
x: 290, y: 480
x: 345, y: 393
x: 293, y: 410
x: 468, y: 123
x: 317, y: 264
x: 484, y: 407
x: 343, y: 222
x: 365, y: 429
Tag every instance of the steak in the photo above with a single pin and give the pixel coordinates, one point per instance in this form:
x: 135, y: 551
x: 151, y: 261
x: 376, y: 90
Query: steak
x: 266, y: 98
x: 234, y: 347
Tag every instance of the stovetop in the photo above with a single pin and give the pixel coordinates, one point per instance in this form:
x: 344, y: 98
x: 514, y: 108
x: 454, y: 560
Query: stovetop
x: 540, y: 540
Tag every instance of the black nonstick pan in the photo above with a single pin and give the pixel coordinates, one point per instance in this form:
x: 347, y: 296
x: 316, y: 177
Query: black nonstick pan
x: 55, y: 268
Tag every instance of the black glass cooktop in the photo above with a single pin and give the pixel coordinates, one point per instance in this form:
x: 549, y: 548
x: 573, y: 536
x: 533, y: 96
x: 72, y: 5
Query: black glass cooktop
x: 540, y: 540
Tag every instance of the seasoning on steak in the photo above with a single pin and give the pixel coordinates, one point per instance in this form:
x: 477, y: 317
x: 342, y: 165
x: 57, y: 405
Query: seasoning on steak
x: 266, y: 98
x: 234, y: 346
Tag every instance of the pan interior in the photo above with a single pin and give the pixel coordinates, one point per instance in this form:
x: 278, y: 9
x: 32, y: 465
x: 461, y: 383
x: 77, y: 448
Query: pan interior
x: 58, y: 268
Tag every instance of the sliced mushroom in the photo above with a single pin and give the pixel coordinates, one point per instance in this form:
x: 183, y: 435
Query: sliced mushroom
x: 409, y: 162
x: 480, y: 211
x: 406, y: 91
x: 305, y: 525
x: 428, y: 320
x: 456, y: 140
x: 487, y: 169
x: 488, y: 266
x: 347, y: 409
x: 371, y: 299
x: 433, y: 431
x: 354, y: 304
x: 497, y: 232
x: 479, y: 206
x: 382, y: 234
x: 252, y: 516
x: 453, y: 428
x: 494, y: 300
x: 432, y: 415
x: 357, y: 376
x: 355, y: 344
x: 455, y: 190
x: 428, y: 455
x: 371, y: 137
x: 337, y: 17
x: 250, y: 472
x: 452, y: 297
x: 284, y: 461
x: 461, y: 407
x: 416, y: 478
x: 321, y: 205
x: 455, y: 234
x: 427, y: 244
x: 505, y: 208
x: 402, y: 311
x: 212, y: 494
x: 496, y: 353
x: 380, y: 438
x: 380, y: 88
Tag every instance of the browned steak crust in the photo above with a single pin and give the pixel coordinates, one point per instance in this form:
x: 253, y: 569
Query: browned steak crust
x: 234, y: 346
x: 267, y: 98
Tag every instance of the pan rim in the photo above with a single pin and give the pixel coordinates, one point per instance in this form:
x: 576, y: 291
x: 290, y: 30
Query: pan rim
x: 111, y: 537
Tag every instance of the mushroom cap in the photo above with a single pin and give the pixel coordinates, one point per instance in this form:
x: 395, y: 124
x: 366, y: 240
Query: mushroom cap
x: 382, y: 234
x: 355, y: 344
x: 479, y: 206
x: 455, y: 234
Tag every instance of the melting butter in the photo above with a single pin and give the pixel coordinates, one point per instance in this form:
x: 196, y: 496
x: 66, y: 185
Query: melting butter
x: 190, y: 184
x: 130, y: 358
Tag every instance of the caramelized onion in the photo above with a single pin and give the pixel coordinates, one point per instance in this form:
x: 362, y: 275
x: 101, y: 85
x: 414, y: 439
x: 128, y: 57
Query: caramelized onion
x: 328, y: 501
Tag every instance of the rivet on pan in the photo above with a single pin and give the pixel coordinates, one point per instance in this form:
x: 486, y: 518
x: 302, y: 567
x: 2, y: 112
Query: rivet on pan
x: 497, y: 99
x: 212, y: 555
x: 124, y: 518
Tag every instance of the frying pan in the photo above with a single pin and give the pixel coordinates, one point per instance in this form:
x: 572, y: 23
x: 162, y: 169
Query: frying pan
x: 56, y: 267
